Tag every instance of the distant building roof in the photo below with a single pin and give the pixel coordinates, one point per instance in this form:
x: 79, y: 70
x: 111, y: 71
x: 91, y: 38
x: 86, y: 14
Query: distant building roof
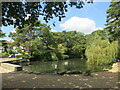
x: 6, y: 41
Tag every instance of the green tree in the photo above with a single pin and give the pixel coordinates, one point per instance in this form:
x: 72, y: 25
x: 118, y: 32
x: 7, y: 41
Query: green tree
x: 102, y: 34
x: 19, y: 50
x: 48, y: 10
x: 38, y: 39
x: 25, y: 36
x: 100, y: 51
x: 113, y: 22
x: 73, y: 43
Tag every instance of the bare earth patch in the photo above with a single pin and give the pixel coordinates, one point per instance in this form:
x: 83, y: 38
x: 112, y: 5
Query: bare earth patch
x: 23, y: 80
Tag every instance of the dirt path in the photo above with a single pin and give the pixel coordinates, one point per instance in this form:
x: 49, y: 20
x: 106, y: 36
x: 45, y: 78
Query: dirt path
x: 23, y: 80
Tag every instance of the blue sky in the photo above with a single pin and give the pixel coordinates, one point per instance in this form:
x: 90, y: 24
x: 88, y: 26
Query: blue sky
x: 90, y: 18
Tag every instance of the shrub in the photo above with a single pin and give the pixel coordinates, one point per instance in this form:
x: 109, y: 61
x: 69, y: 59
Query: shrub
x: 24, y: 56
x: 54, y: 57
x: 19, y: 56
x: 5, y: 54
x: 10, y: 52
x: 19, y: 50
x: 15, y: 62
x: 65, y: 56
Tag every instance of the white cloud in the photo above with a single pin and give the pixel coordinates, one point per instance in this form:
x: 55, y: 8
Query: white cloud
x: 84, y: 25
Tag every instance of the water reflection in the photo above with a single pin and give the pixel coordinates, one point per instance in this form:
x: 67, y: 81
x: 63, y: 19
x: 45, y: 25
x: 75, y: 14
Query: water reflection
x: 62, y: 65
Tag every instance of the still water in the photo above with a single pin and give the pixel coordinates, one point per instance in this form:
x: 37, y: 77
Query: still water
x: 61, y: 65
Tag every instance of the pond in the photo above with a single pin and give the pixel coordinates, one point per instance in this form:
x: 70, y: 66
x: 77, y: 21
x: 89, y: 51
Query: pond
x: 61, y: 65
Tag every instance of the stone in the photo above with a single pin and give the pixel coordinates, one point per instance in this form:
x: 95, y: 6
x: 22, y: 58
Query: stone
x: 76, y: 72
x: 68, y: 72
x: 73, y: 72
x: 37, y: 73
x: 11, y: 67
x: 87, y: 73
x: 30, y: 72
x: 61, y: 73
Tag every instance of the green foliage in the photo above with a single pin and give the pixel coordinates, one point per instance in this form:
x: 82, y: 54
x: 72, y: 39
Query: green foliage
x: 54, y: 57
x: 78, y: 50
x: 61, y: 48
x: 101, y: 52
x: 113, y: 21
x: 45, y: 45
x: 70, y: 43
x: 48, y: 10
x: 19, y: 56
x: 5, y: 54
x: 10, y: 51
x: 35, y: 38
x: 15, y: 62
x: 19, y: 50
x: 0, y: 43
x: 65, y: 56
x: 24, y: 56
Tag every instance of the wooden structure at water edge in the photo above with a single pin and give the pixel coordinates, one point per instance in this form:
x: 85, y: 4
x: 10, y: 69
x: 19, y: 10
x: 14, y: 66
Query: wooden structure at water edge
x: 8, y: 59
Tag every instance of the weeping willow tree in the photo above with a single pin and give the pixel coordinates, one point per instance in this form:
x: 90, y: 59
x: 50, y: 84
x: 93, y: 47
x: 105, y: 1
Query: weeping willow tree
x: 101, y: 52
x: 106, y: 50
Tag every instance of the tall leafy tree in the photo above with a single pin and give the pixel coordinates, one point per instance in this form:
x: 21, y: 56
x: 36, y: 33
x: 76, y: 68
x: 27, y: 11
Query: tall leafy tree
x: 113, y: 22
x: 38, y: 39
x: 26, y: 35
x: 73, y: 41
x: 99, y: 50
x: 48, y: 10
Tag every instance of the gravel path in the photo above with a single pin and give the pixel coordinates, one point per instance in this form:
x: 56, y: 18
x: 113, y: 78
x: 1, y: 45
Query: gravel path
x: 24, y: 80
